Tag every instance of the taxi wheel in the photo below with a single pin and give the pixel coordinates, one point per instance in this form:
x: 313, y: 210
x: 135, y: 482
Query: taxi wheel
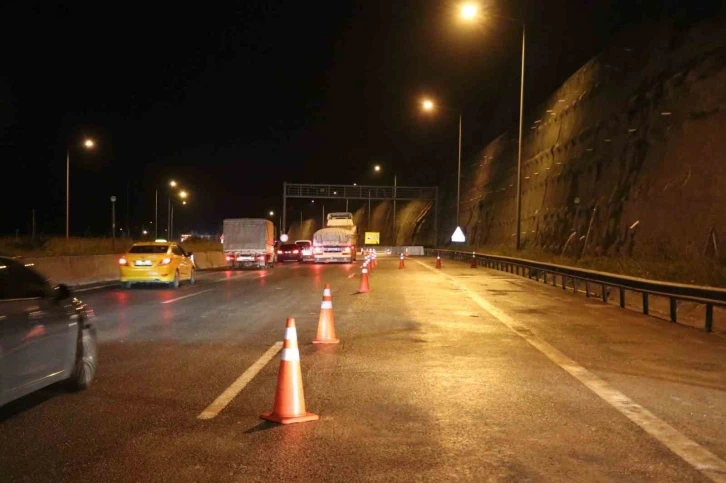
x: 175, y: 283
x: 191, y: 278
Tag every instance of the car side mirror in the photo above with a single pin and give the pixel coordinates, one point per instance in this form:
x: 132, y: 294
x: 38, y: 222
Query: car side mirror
x: 62, y: 292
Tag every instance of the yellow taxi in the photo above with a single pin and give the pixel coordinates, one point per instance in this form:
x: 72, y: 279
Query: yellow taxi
x: 159, y: 261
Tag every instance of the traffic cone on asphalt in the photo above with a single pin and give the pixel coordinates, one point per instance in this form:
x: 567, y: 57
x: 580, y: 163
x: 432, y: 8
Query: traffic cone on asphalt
x: 401, y: 262
x: 289, y: 397
x: 364, y: 288
x: 370, y: 265
x: 438, y: 261
x: 473, y: 260
x: 326, y: 322
x: 406, y: 252
x: 375, y: 260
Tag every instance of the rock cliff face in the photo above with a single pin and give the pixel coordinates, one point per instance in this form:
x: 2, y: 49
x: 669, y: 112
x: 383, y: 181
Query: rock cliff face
x: 627, y: 156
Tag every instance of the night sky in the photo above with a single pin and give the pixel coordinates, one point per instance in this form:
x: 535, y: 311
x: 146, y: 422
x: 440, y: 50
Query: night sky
x: 233, y: 100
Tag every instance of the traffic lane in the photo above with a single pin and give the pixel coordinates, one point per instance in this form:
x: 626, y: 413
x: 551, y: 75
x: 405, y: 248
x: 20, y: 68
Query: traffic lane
x: 207, y: 311
x: 426, y: 386
x: 677, y: 372
x: 154, y: 389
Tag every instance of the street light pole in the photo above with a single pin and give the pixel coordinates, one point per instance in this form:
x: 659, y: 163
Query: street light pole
x: 395, y: 184
x: 68, y: 185
x: 156, y: 213
x: 519, y: 150
x: 113, y: 222
x: 458, y: 177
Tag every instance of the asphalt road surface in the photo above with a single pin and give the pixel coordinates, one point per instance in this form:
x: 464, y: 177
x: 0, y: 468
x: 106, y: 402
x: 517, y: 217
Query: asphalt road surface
x: 441, y: 375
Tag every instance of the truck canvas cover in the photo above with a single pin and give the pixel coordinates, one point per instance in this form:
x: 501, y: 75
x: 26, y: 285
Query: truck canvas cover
x: 247, y: 234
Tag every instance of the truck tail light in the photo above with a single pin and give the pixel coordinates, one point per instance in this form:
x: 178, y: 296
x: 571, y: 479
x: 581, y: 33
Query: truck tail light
x: 230, y: 258
x: 318, y: 250
x: 279, y: 252
x: 165, y: 261
x: 346, y: 249
x: 296, y: 252
x: 122, y: 261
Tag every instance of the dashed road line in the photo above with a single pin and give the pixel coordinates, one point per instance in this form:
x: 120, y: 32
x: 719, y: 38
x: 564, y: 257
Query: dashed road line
x: 187, y: 296
x: 226, y: 397
x: 693, y: 453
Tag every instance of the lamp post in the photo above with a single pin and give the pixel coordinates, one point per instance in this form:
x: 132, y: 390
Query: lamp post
x: 377, y: 168
x: 429, y: 106
x: 469, y: 13
x: 88, y: 144
x: 113, y: 222
x: 183, y: 195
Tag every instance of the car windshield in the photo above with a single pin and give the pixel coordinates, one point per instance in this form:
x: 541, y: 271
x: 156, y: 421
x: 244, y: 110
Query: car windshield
x: 149, y: 249
x: 288, y: 247
x: 303, y: 244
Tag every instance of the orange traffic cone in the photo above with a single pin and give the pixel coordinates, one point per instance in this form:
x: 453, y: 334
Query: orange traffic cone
x: 406, y: 252
x: 438, y: 261
x: 369, y: 263
x: 289, y: 398
x: 364, y: 288
x: 326, y: 322
x: 473, y: 260
x: 401, y: 262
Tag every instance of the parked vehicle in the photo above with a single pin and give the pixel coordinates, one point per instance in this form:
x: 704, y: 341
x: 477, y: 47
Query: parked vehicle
x: 249, y: 242
x: 289, y: 253
x: 156, y: 262
x: 46, y: 334
x: 338, y: 241
x: 306, y: 248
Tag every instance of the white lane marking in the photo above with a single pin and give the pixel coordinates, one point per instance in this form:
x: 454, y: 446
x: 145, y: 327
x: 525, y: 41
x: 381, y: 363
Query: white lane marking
x: 98, y: 287
x: 351, y: 275
x: 226, y: 397
x: 694, y: 454
x: 187, y: 296
x: 233, y: 277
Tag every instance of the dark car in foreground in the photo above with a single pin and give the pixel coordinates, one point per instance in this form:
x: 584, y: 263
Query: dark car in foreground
x: 289, y: 253
x: 46, y: 334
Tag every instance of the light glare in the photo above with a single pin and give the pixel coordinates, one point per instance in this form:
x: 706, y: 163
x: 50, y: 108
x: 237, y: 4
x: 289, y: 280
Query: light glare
x: 469, y: 11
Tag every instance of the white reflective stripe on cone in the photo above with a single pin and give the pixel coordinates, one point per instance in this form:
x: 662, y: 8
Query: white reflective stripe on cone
x: 327, y: 304
x: 365, y: 270
x: 290, y: 355
x: 290, y: 333
x: 326, y: 292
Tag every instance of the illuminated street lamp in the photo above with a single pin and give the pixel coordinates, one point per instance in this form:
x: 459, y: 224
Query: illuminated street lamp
x: 88, y: 144
x: 469, y: 12
x: 376, y: 168
x: 272, y: 213
x: 429, y: 106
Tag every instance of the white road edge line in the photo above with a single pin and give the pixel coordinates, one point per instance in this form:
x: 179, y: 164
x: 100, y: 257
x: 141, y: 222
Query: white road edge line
x: 226, y: 397
x: 693, y: 453
x: 187, y: 296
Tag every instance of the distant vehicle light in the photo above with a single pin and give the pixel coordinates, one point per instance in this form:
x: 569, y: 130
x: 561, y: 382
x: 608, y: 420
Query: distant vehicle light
x: 284, y: 237
x: 296, y: 251
x: 165, y: 261
x: 122, y: 261
x: 230, y: 258
x: 318, y: 250
x: 346, y: 249
x: 279, y: 252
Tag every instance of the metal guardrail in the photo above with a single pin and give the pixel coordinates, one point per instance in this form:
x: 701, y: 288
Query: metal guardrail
x: 359, y: 192
x: 708, y: 296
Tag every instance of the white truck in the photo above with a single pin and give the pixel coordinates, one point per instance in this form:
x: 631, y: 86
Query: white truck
x: 249, y: 242
x: 338, y: 241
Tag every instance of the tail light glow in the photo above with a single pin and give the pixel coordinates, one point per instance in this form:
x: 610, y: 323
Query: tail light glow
x: 296, y: 251
x: 318, y: 250
x: 346, y: 249
x: 165, y: 261
x: 230, y: 258
x: 122, y: 261
x: 279, y: 252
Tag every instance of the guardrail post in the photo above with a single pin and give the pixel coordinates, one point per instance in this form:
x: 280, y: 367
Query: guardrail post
x: 587, y: 289
x: 645, y: 303
x: 604, y: 293
x: 622, y: 297
x: 564, y: 282
x: 574, y: 285
x: 709, y: 318
x: 674, y: 307
x: 536, y: 275
x: 544, y: 277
